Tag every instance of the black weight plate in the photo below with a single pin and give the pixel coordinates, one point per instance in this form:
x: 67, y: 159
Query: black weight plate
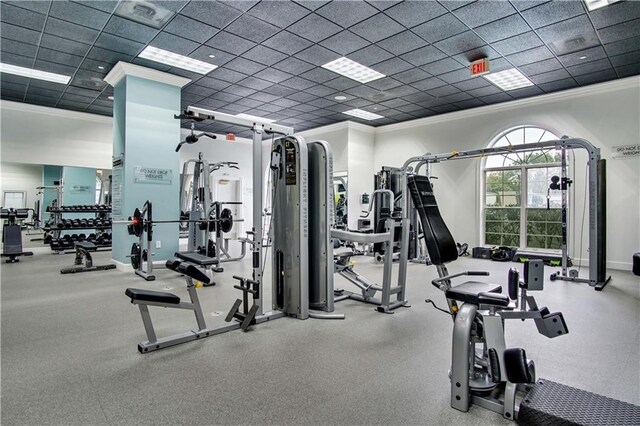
x: 136, y: 255
x: 226, y: 220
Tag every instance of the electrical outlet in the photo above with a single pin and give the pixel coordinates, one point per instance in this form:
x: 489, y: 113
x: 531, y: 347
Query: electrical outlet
x: 158, y: 244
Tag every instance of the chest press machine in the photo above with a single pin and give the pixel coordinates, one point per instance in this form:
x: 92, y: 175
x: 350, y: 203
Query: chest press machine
x: 484, y: 371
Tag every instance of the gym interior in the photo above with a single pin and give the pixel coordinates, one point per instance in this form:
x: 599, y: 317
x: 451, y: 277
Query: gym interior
x: 356, y: 200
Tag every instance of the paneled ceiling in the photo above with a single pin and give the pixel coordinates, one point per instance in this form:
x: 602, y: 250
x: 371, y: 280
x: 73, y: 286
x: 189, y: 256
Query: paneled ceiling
x: 270, y: 53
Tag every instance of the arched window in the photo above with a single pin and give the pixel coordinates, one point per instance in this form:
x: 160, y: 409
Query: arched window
x: 518, y: 208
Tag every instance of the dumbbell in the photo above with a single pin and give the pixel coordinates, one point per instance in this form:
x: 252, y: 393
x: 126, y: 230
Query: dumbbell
x: 60, y: 224
x: 82, y: 237
x: 65, y: 238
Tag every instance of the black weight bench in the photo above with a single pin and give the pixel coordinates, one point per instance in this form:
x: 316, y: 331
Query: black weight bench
x: 83, y: 249
x: 201, y: 260
x: 152, y: 296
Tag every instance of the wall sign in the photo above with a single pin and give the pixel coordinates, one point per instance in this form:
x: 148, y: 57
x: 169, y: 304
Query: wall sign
x: 116, y: 188
x: 626, y: 151
x: 152, y: 175
x: 79, y: 189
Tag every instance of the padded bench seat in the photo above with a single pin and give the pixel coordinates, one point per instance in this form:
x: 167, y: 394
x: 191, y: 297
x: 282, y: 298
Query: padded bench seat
x: 152, y: 296
x: 87, y: 245
x: 468, y: 292
x: 196, y: 258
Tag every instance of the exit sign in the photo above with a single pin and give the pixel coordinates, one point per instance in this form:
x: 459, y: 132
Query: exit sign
x: 479, y: 67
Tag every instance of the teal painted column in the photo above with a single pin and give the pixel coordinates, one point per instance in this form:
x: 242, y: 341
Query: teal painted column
x: 50, y: 175
x: 146, y: 166
x: 79, y: 188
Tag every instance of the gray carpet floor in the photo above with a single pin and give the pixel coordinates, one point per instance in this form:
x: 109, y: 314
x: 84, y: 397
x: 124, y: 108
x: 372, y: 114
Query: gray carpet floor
x: 69, y: 352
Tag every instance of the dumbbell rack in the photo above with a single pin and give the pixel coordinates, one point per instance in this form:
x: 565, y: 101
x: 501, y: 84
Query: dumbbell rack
x: 57, y: 224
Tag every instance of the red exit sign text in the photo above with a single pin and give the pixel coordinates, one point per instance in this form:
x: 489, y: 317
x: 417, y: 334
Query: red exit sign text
x: 479, y: 67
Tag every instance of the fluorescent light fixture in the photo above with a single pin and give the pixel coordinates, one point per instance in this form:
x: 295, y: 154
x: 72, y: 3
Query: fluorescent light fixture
x: 255, y: 118
x: 145, y: 12
x: 360, y: 113
x: 31, y: 73
x: 597, y: 4
x: 353, y: 70
x: 509, y: 79
x: 169, y: 58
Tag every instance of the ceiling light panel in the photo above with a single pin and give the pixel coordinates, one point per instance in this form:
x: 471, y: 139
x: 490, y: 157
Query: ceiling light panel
x: 510, y: 79
x: 173, y: 59
x: 353, y: 70
x: 597, y: 4
x: 31, y: 73
x: 360, y: 113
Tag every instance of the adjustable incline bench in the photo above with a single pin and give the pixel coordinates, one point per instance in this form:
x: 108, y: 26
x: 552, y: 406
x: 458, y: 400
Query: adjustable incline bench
x: 200, y: 260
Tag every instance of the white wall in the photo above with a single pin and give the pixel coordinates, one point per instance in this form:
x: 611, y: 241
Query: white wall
x: 21, y: 177
x: 361, y: 169
x: 606, y: 114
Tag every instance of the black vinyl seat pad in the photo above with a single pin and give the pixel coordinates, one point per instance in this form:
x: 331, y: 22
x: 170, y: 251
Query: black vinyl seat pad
x: 152, y: 296
x: 468, y: 292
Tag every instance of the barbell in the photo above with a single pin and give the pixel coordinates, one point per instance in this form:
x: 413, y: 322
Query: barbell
x: 136, y: 223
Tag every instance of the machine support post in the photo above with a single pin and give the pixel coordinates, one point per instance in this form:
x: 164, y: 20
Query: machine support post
x: 257, y: 212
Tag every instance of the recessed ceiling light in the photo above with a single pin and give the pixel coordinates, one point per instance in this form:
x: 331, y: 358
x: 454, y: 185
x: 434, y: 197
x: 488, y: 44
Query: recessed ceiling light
x: 360, y: 113
x: 175, y: 60
x: 597, y: 4
x: 255, y: 118
x: 583, y: 57
x: 508, y: 79
x: 212, y: 56
x: 145, y: 12
x: 31, y: 73
x: 340, y: 98
x: 353, y: 70
x: 100, y: 67
x: 110, y: 98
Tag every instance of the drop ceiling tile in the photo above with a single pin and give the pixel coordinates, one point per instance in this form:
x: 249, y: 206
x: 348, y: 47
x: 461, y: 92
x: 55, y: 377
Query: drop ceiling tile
x: 20, y: 34
x: 298, y: 83
x: 465, y: 58
x: 590, y: 67
x: 429, y: 83
x: 392, y: 66
x: 106, y: 5
x: 484, y: 91
x: 383, y: 4
x: 402, y: 43
x: 287, y: 42
x: 314, y: 28
x: 357, y: 102
x: 281, y: 14
x: 394, y: 103
x: 269, y: 108
x: 21, y: 17
x: 470, y: 103
x: 442, y: 66
x: 173, y: 43
x: 102, y: 110
x: 623, y: 46
x: 69, y: 97
x: 342, y: 83
x: 571, y: 35
x: 402, y: 91
x: 626, y: 59
x: 244, y: 66
x: 370, y: 55
x: 89, y: 80
x: 279, y: 91
x: 408, y: 107
x: 460, y: 43
x: 591, y: 54
x: 264, y: 55
x: 615, y: 14
x: 303, y: 107
x: 293, y: 66
x: 78, y: 13
x: 92, y: 94
x: 442, y: 109
x: 443, y: 91
x: 230, y: 43
x: 554, y: 86
x: 149, y: 64
x: 628, y: 70
x: 238, y: 90
x: 13, y: 59
x: 285, y: 103
x: 18, y: 48
x: 301, y: 97
x: 377, y: 28
x: 504, y: 28
x: 264, y: 97
x: 54, y: 67
x: 530, y: 56
x: 271, y: 75
x: 234, y: 109
x: 59, y: 57
x: 552, y: 12
x: 220, y: 57
x: 63, y: 45
x: 620, y: 31
x: 211, y: 13
x: 46, y: 85
x: 440, y: 28
x: 527, y: 4
x: 73, y: 105
x: 412, y: 13
x: 211, y: 103
x: 541, y: 67
x: 225, y: 97
x: 318, y: 75
x: 346, y: 14
x: 49, y: 93
x: 119, y: 44
x: 596, y: 77
x: 311, y: 4
x: 41, y: 100
x: 34, y: 6
x: 481, y: 13
x: 201, y: 90
x: 227, y: 75
x: 411, y: 75
x: 423, y: 55
x: 70, y: 31
x: 321, y: 90
x: 525, y: 41
x: 93, y: 65
x: 497, y: 98
x: 525, y: 92
x: 252, y: 28
x: 321, y: 103
x: 472, y: 83
x: 129, y: 29
x: 191, y: 29
x: 344, y: 42
x: 385, y: 83
x: 317, y: 55
x: 549, y: 76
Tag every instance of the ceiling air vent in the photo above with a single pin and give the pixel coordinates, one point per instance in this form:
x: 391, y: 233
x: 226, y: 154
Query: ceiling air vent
x: 144, y: 12
x: 564, y: 47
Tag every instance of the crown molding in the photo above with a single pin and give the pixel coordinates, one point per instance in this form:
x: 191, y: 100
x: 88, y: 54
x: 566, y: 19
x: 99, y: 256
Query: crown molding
x: 609, y: 86
x: 54, y: 112
x: 122, y: 69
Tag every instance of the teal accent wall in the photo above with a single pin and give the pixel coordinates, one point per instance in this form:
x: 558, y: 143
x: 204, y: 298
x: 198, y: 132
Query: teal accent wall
x: 79, y: 189
x: 146, y: 134
x: 50, y: 174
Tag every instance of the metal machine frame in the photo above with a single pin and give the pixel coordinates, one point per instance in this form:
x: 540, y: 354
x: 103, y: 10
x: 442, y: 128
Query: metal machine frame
x: 597, y: 197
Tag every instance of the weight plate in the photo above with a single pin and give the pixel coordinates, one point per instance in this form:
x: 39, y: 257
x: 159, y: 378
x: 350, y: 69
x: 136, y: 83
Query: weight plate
x: 226, y: 220
x: 136, y: 255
